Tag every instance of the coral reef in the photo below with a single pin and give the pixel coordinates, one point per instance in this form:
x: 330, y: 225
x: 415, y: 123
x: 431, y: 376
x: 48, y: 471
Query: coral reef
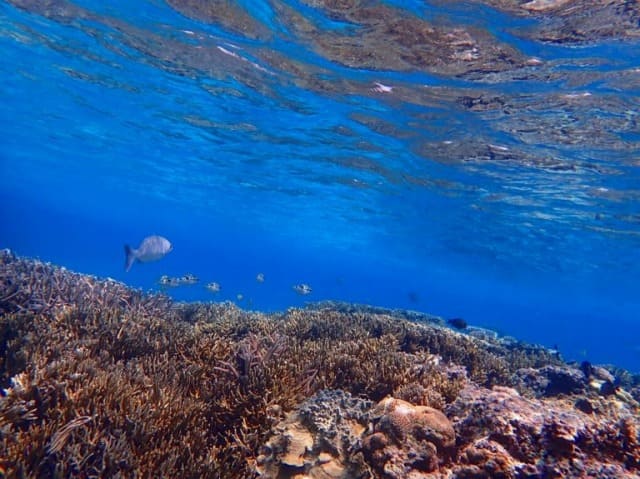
x: 102, y: 380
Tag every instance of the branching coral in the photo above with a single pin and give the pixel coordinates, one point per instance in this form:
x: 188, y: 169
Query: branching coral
x: 102, y: 380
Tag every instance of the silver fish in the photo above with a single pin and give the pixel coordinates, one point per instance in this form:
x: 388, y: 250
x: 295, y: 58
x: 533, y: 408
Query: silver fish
x: 152, y: 248
x: 189, y: 279
x: 302, y: 289
x: 213, y: 287
x: 168, y: 281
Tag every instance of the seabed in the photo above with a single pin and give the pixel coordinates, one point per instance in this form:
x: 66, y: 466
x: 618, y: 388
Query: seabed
x: 100, y: 380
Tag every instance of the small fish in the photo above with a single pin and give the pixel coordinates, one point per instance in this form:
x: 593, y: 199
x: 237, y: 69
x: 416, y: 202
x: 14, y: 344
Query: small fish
x: 152, y: 248
x: 213, y: 287
x: 260, y: 277
x: 189, y: 279
x: 168, y: 281
x: 240, y: 297
x: 302, y: 289
x: 457, y: 323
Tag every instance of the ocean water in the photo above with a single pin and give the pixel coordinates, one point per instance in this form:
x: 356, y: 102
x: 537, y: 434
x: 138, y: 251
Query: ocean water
x: 468, y: 159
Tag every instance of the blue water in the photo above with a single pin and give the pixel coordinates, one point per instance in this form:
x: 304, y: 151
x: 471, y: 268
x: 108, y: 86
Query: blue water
x: 256, y: 151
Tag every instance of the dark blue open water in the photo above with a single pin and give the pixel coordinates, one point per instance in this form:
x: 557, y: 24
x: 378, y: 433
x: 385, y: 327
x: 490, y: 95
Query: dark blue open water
x: 291, y: 138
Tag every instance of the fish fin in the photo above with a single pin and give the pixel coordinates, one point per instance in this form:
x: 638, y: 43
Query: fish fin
x: 130, y: 257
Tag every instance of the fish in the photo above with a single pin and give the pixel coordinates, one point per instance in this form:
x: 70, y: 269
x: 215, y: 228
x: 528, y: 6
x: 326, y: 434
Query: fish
x: 457, y: 323
x: 168, y: 281
x: 152, y: 248
x: 260, y: 277
x: 302, y: 289
x: 189, y: 279
x: 213, y: 287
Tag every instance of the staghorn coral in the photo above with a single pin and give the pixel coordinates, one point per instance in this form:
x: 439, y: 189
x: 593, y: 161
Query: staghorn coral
x: 102, y: 380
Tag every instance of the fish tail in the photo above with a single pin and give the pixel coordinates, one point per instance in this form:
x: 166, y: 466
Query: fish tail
x: 130, y: 257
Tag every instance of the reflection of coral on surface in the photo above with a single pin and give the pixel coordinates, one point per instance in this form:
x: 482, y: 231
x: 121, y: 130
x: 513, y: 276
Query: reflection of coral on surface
x: 102, y: 380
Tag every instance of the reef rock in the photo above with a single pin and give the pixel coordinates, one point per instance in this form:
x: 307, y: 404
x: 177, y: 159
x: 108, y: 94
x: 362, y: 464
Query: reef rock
x: 551, y: 380
x: 502, y: 434
x: 485, y: 458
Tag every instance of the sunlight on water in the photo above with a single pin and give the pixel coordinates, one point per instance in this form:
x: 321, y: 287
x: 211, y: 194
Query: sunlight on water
x: 491, y: 140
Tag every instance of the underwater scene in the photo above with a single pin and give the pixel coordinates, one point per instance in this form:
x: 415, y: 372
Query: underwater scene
x: 320, y: 239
